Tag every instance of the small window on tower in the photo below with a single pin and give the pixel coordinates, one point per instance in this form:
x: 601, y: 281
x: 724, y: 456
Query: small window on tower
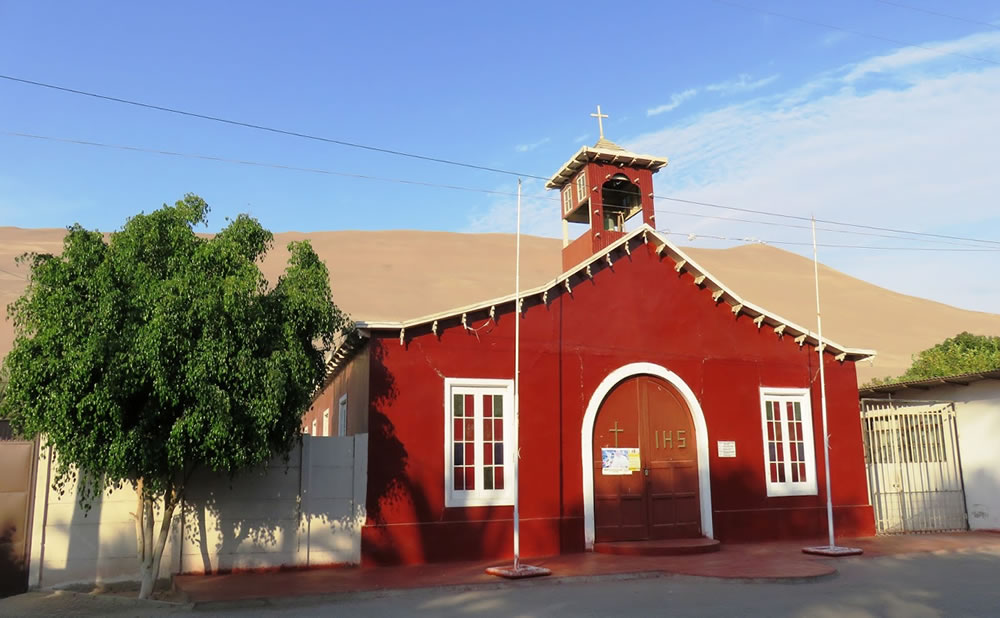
x: 567, y: 197
x: 581, y: 187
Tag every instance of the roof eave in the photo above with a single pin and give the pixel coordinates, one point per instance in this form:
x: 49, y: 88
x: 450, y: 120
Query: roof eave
x: 961, y: 379
x: 586, y: 154
x: 721, y: 293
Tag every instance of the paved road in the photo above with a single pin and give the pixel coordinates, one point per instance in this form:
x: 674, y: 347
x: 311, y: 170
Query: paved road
x: 952, y: 584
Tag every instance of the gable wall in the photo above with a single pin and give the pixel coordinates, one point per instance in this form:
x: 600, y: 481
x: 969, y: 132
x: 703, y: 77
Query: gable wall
x: 639, y: 311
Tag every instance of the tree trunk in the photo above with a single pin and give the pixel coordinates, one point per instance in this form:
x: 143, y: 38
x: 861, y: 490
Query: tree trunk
x: 150, y: 549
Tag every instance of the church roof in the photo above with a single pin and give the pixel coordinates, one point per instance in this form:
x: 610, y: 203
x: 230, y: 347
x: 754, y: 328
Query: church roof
x: 604, y: 151
x: 683, y: 262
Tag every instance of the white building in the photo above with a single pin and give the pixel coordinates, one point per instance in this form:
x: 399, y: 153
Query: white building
x: 934, y: 425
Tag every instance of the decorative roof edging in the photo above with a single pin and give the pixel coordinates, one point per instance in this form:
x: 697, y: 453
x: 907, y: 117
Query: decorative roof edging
x: 341, y: 355
x: 606, y: 155
x: 702, y: 278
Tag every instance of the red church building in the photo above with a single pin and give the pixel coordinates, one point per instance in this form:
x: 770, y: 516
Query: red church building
x: 655, y: 403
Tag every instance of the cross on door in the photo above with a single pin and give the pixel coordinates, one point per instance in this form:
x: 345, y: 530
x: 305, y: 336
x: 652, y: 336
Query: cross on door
x: 615, y: 430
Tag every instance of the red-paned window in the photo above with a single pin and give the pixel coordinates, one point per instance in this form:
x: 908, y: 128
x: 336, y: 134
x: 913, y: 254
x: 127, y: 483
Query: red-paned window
x: 789, y: 456
x: 478, y: 431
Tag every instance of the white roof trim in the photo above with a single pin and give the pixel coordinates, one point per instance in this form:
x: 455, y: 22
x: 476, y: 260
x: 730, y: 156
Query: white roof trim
x: 587, y: 154
x: 724, y: 295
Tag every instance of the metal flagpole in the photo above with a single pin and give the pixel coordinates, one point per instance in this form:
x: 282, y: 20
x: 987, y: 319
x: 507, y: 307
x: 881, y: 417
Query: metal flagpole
x: 822, y: 388
x: 831, y: 548
x: 517, y: 383
x: 519, y: 570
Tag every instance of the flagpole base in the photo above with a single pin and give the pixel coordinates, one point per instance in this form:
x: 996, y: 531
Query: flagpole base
x: 521, y: 571
x: 834, y: 551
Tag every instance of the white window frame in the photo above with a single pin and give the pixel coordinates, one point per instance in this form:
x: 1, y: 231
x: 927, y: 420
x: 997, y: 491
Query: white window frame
x: 479, y: 496
x: 789, y: 487
x: 326, y: 422
x: 581, y: 187
x: 342, y: 415
x: 314, y: 428
x: 567, y: 199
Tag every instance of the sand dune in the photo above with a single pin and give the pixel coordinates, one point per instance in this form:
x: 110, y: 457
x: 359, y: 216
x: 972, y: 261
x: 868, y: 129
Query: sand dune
x: 397, y: 275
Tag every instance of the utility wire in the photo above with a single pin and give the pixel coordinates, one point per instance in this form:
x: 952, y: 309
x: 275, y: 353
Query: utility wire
x: 279, y: 166
x: 938, y: 13
x: 826, y: 221
x: 692, y: 236
x: 869, y: 35
x: 259, y: 127
x: 13, y: 274
x: 535, y: 196
x: 805, y: 227
x: 435, y: 159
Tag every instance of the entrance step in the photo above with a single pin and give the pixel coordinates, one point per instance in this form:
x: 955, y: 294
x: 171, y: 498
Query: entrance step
x: 664, y: 547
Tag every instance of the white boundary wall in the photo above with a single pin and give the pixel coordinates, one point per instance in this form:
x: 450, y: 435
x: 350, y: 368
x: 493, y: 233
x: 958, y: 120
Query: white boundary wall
x: 977, y: 406
x: 307, y: 511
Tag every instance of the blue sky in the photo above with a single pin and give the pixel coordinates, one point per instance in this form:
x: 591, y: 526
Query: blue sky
x: 753, y: 109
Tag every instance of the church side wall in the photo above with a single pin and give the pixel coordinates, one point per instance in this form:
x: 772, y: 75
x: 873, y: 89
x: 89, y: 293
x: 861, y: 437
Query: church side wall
x: 351, y: 380
x: 640, y: 310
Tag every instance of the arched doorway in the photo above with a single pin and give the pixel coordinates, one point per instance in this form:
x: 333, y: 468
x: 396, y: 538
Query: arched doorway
x: 658, y: 495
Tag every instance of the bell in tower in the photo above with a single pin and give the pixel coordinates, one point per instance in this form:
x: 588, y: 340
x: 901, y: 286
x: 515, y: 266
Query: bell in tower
x: 602, y: 187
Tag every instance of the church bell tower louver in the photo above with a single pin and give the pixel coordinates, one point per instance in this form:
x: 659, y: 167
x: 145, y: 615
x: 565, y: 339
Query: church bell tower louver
x: 603, y: 186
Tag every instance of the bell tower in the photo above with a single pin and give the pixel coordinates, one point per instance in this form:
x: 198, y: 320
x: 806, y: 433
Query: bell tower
x: 603, y: 186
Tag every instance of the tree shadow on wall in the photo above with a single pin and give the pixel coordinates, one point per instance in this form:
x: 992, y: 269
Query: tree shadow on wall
x: 742, y: 512
x: 280, y: 514
x: 393, y: 493
x: 13, y: 570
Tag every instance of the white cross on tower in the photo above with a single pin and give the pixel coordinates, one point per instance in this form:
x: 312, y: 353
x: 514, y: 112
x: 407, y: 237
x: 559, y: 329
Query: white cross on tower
x: 600, y: 123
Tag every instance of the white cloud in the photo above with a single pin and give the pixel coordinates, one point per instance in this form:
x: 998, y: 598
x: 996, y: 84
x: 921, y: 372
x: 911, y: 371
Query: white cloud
x: 539, y: 212
x: 917, y: 155
x: 975, y: 48
x: 914, y: 156
x: 744, y: 83
x: 580, y: 138
x: 675, y: 102
x: 532, y: 146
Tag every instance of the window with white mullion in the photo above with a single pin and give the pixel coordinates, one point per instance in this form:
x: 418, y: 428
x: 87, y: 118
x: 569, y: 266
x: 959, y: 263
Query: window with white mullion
x: 789, y: 455
x: 478, y: 424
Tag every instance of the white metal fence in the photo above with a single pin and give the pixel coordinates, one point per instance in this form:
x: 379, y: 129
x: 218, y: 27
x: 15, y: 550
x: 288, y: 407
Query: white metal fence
x: 914, y: 465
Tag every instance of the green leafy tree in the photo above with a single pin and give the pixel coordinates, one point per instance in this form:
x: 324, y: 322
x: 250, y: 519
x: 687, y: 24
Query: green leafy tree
x: 963, y: 353
x: 158, y: 352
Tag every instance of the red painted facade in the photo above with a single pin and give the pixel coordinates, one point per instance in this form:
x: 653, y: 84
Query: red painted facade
x: 638, y: 310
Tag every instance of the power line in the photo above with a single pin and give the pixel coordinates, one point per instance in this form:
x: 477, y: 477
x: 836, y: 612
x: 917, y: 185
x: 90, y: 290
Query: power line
x: 691, y: 236
x: 13, y: 274
x: 424, y: 157
x: 803, y: 227
x: 938, y: 13
x: 826, y: 221
x: 869, y: 35
x: 279, y: 166
x: 250, y: 125
x: 535, y: 196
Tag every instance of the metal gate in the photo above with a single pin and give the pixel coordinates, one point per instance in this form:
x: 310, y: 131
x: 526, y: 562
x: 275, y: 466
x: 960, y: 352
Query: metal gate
x: 914, y: 465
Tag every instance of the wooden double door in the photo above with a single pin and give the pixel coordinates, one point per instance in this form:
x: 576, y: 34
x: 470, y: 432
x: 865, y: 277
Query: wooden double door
x: 659, y: 499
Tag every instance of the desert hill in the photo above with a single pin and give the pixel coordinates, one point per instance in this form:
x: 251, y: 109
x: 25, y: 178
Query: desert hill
x: 397, y: 275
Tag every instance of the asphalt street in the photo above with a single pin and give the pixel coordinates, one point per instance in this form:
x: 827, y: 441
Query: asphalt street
x: 943, y: 584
